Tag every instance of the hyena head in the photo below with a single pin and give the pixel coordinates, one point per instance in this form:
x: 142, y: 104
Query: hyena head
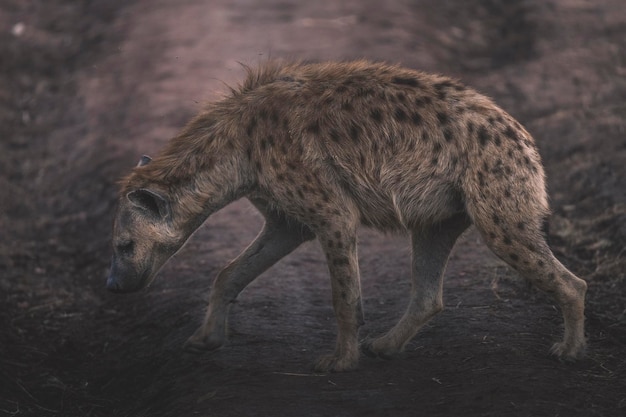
x: 143, y: 238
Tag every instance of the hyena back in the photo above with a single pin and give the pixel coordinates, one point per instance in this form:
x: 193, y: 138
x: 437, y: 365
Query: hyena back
x: 320, y: 149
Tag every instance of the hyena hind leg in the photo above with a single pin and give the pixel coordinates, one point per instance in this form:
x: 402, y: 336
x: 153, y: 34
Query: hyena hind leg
x: 523, y: 246
x: 431, y: 248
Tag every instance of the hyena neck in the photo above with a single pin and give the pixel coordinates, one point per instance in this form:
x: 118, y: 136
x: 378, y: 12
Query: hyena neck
x: 201, y: 170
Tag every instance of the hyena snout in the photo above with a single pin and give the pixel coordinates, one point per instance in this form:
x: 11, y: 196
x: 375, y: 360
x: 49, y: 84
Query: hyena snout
x: 122, y: 279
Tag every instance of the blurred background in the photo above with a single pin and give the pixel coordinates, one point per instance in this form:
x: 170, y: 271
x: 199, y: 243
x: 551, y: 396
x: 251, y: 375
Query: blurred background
x: 87, y: 87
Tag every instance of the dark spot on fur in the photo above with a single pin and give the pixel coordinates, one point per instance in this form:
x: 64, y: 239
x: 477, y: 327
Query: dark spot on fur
x: 400, y: 114
x: 483, y: 135
x: 423, y: 101
x: 355, y: 132
x: 347, y: 106
x: 436, y: 148
x: 443, y: 84
x: 514, y: 257
x: 334, y: 135
x: 274, y: 117
x: 540, y: 263
x: 441, y: 89
x: 314, y: 127
x: 507, y: 193
x: 300, y: 193
x: 507, y: 240
x: 364, y: 92
x: 251, y: 126
x: 341, y: 89
x: 448, y: 135
x: 376, y: 115
x: 496, y: 219
x: 410, y: 81
x: 434, y: 161
x: 442, y: 118
x: 416, y: 118
x: 338, y: 234
x: 511, y: 133
x: 521, y: 225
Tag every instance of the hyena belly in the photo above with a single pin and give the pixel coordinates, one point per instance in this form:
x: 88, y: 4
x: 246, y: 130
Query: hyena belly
x: 402, y: 197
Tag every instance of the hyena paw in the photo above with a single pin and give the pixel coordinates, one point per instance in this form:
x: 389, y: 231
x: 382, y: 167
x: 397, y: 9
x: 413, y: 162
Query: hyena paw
x: 375, y: 349
x: 568, y: 351
x: 336, y: 363
x: 201, y: 342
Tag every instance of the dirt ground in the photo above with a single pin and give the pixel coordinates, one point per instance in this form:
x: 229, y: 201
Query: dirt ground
x: 87, y: 87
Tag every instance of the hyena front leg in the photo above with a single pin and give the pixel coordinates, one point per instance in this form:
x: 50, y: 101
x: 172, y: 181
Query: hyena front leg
x: 279, y: 237
x: 340, y: 247
x: 431, y: 248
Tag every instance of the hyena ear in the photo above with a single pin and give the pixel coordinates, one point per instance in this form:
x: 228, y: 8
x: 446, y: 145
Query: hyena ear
x: 151, y: 202
x: 145, y: 160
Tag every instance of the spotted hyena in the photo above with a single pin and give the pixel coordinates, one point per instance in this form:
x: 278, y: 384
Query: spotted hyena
x: 320, y: 149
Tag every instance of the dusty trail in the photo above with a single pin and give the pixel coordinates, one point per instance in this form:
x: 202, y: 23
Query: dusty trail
x: 486, y: 354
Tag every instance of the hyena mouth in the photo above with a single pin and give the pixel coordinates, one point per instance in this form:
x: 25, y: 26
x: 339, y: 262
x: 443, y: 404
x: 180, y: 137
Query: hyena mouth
x: 119, y: 284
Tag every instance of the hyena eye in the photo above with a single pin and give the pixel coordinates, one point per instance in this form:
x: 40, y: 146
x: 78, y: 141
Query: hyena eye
x: 126, y: 248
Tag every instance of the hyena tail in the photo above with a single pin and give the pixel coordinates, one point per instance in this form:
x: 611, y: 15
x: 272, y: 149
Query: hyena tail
x: 509, y: 212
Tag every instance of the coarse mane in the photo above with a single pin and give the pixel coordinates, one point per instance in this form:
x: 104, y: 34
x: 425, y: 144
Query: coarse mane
x: 263, y: 74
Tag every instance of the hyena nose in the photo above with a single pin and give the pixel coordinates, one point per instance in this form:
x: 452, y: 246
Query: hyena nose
x: 113, y: 285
